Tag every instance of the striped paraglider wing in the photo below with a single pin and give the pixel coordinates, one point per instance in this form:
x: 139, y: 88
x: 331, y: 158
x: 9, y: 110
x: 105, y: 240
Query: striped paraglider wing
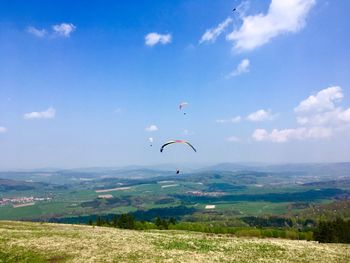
x: 177, y: 141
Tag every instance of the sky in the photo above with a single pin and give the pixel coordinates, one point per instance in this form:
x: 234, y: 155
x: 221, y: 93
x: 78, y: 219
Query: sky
x: 86, y: 84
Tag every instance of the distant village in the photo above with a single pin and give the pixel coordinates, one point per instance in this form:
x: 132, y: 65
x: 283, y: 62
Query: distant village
x: 22, y: 201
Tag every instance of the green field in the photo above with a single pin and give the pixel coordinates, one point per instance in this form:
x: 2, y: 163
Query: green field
x: 235, y: 194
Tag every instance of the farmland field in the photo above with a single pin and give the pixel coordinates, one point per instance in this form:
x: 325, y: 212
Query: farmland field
x: 231, y: 194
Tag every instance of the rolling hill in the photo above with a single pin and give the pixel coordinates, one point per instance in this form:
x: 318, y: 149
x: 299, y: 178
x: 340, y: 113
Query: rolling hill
x: 42, y: 242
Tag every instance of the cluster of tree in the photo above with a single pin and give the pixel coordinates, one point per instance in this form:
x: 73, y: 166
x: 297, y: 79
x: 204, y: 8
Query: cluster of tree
x: 329, y: 211
x: 288, y: 233
x: 17, y: 185
x: 280, y: 222
x: 164, y: 223
x: 337, y: 231
x: 164, y: 200
x: 268, y: 221
x: 120, y: 201
x: 165, y: 212
x: 176, y: 212
x: 128, y: 221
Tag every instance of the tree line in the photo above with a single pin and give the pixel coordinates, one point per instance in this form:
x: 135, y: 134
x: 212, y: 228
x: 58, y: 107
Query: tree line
x: 337, y: 231
x: 128, y: 221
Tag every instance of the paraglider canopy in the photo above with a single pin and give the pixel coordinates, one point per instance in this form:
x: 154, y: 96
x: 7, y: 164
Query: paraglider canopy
x: 150, y: 139
x: 182, y: 105
x: 177, y: 141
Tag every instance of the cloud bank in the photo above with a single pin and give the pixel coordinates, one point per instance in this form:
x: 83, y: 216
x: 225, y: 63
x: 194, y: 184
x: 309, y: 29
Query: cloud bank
x: 152, y: 128
x: 261, y: 115
x: 319, y: 116
x: 242, y: 67
x: 212, y: 34
x: 64, y: 29
x: 59, y: 30
x: 47, y: 114
x: 287, y: 16
x: 323, y: 100
x: 36, y: 32
x: 154, y: 38
x: 285, y: 135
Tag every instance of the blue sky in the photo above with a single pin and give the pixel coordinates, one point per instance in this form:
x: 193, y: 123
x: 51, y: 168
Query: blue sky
x: 80, y: 82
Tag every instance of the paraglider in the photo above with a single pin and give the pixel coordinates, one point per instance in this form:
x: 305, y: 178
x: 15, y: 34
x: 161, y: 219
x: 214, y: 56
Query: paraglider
x: 150, y: 139
x: 234, y: 9
x: 182, y: 105
x: 177, y: 141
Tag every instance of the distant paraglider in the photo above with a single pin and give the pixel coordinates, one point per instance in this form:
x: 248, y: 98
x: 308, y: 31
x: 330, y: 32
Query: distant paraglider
x: 182, y: 106
x: 151, y: 140
x: 177, y: 141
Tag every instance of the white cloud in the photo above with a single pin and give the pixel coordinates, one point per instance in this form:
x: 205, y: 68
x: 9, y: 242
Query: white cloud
x: 47, y: 114
x: 154, y: 38
x: 318, y: 115
x: 64, y: 29
x: 261, y: 115
x: 260, y: 135
x: 232, y: 120
x: 187, y: 132
x: 345, y: 115
x: 321, y: 109
x: 36, y: 32
x: 333, y: 117
x: 211, y: 34
x: 3, y: 129
x: 285, y: 135
x: 232, y: 139
x: 152, y: 128
x: 323, y: 100
x: 283, y: 16
x: 242, y: 67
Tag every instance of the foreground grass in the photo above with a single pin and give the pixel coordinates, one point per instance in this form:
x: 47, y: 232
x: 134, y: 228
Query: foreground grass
x: 36, y: 242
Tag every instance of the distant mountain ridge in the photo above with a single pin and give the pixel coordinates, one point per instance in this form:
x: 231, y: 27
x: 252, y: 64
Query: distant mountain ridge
x: 8, y: 184
x: 320, y: 168
x: 68, y: 176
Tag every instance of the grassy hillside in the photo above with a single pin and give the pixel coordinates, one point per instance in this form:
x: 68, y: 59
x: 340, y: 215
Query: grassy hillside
x: 37, y: 242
